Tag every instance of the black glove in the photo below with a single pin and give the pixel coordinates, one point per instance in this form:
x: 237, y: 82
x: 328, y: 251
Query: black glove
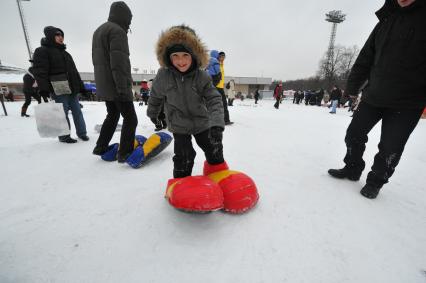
x: 216, y: 134
x: 157, y: 123
x: 44, y: 93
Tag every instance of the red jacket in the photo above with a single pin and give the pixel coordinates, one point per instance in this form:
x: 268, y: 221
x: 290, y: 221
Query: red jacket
x: 278, y: 91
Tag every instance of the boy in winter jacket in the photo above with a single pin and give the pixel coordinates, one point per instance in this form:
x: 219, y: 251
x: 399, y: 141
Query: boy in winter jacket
x: 192, y: 105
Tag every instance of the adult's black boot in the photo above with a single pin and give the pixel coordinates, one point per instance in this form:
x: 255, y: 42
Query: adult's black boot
x: 67, y: 139
x: 370, y: 191
x: 24, y: 112
x: 100, y: 150
x: 122, y: 157
x: 345, y: 173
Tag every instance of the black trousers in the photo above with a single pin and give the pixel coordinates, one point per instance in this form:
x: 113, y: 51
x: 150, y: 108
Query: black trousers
x: 225, y: 104
x: 130, y: 121
x: 277, y: 103
x: 183, y: 160
x: 397, y: 125
x: 28, y: 96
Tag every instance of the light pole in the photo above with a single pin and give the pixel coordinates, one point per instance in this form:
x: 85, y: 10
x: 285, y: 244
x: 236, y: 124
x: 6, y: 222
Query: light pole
x: 334, y: 17
x: 24, y: 27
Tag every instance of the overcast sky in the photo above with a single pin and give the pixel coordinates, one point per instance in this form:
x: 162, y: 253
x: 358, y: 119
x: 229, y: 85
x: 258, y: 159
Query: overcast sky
x: 272, y: 38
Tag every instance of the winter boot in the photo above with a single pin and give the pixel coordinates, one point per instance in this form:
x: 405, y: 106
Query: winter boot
x: 370, y: 191
x: 122, y: 157
x: 345, y: 173
x: 67, y: 139
x: 24, y: 112
x: 100, y: 150
x: 84, y: 138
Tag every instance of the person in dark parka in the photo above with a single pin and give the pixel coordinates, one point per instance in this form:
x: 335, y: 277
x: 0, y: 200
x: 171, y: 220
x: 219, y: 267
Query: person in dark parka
x: 30, y: 90
x: 392, y: 65
x: 52, y: 64
x: 110, y: 55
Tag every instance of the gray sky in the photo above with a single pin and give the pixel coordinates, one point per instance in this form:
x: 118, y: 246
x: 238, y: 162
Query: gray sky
x: 272, y: 38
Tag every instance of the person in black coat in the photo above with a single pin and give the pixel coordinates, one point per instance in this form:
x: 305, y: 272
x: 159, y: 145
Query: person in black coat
x: 392, y: 67
x: 57, y: 76
x: 110, y: 56
x: 30, y: 89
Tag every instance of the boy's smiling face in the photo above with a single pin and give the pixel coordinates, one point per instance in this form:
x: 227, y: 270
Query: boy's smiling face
x: 181, y: 61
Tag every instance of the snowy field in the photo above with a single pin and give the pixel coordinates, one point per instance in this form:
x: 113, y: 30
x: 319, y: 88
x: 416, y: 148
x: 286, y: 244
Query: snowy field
x: 67, y: 216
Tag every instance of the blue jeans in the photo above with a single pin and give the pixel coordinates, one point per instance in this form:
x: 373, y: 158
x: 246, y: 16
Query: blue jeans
x: 70, y: 102
x: 334, y: 105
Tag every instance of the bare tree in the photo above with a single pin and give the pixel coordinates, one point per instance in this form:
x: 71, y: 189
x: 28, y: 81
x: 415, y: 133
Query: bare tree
x: 338, y: 69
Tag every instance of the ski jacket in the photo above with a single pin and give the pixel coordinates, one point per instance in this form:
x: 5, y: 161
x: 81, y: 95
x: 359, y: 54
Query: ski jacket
x: 336, y: 94
x: 392, y: 63
x: 51, y: 59
x: 191, y: 103
x: 214, y: 68
x: 231, y: 90
x: 110, y: 56
x: 278, y: 91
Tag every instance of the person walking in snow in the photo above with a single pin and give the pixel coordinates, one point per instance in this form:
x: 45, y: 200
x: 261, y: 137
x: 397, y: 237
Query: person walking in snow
x: 231, y: 92
x: 392, y: 64
x: 278, y: 93
x: 110, y: 55
x: 30, y: 90
x: 57, y: 76
x: 335, y: 96
x: 192, y: 104
x: 217, y: 72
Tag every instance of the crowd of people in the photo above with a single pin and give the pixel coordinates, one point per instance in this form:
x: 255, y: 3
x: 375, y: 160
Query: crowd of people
x: 188, y: 93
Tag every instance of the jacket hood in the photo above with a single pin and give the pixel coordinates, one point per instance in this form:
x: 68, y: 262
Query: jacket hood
x: 214, y: 54
x: 50, y: 31
x: 392, y: 6
x: 120, y: 14
x: 185, y: 36
x: 49, y: 39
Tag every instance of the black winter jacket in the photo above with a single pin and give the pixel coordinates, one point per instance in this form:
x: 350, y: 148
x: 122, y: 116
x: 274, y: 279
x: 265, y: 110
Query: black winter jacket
x: 52, y: 59
x: 28, y: 83
x: 392, y: 63
x: 110, y: 56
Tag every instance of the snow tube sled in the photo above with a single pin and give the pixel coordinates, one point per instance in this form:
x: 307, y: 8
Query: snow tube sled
x: 150, y: 148
x: 194, y: 194
x: 111, y: 153
x: 239, y: 190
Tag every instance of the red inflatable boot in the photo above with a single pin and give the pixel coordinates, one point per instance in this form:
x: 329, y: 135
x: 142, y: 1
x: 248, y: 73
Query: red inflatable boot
x: 239, y: 190
x: 194, y: 194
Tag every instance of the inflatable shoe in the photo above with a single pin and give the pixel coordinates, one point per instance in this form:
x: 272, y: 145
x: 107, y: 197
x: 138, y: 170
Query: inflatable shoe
x: 239, y: 190
x: 194, y: 194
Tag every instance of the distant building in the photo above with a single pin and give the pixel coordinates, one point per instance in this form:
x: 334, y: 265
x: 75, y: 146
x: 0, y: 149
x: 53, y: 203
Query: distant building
x: 11, y: 78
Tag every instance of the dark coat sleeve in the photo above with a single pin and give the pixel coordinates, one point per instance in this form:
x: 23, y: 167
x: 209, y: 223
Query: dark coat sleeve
x: 120, y: 62
x: 41, y: 68
x: 362, y: 66
x: 156, y: 98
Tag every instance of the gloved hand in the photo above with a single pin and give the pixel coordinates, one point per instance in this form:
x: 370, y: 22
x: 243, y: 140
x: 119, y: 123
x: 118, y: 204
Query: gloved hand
x: 44, y: 93
x: 157, y: 123
x: 216, y: 134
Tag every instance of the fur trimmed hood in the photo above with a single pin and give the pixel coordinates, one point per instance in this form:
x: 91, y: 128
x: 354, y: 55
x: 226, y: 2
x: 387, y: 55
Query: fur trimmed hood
x: 185, y: 36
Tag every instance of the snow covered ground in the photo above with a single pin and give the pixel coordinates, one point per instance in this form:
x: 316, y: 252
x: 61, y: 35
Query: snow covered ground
x: 67, y: 216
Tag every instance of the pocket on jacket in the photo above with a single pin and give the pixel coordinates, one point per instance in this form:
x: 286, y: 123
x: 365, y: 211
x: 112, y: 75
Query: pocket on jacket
x: 415, y: 55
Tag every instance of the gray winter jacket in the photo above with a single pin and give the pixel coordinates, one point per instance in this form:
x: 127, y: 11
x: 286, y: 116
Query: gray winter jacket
x: 110, y: 55
x: 191, y: 103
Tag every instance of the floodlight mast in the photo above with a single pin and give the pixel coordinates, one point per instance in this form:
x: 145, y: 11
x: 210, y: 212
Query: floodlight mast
x: 24, y: 27
x: 335, y: 17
